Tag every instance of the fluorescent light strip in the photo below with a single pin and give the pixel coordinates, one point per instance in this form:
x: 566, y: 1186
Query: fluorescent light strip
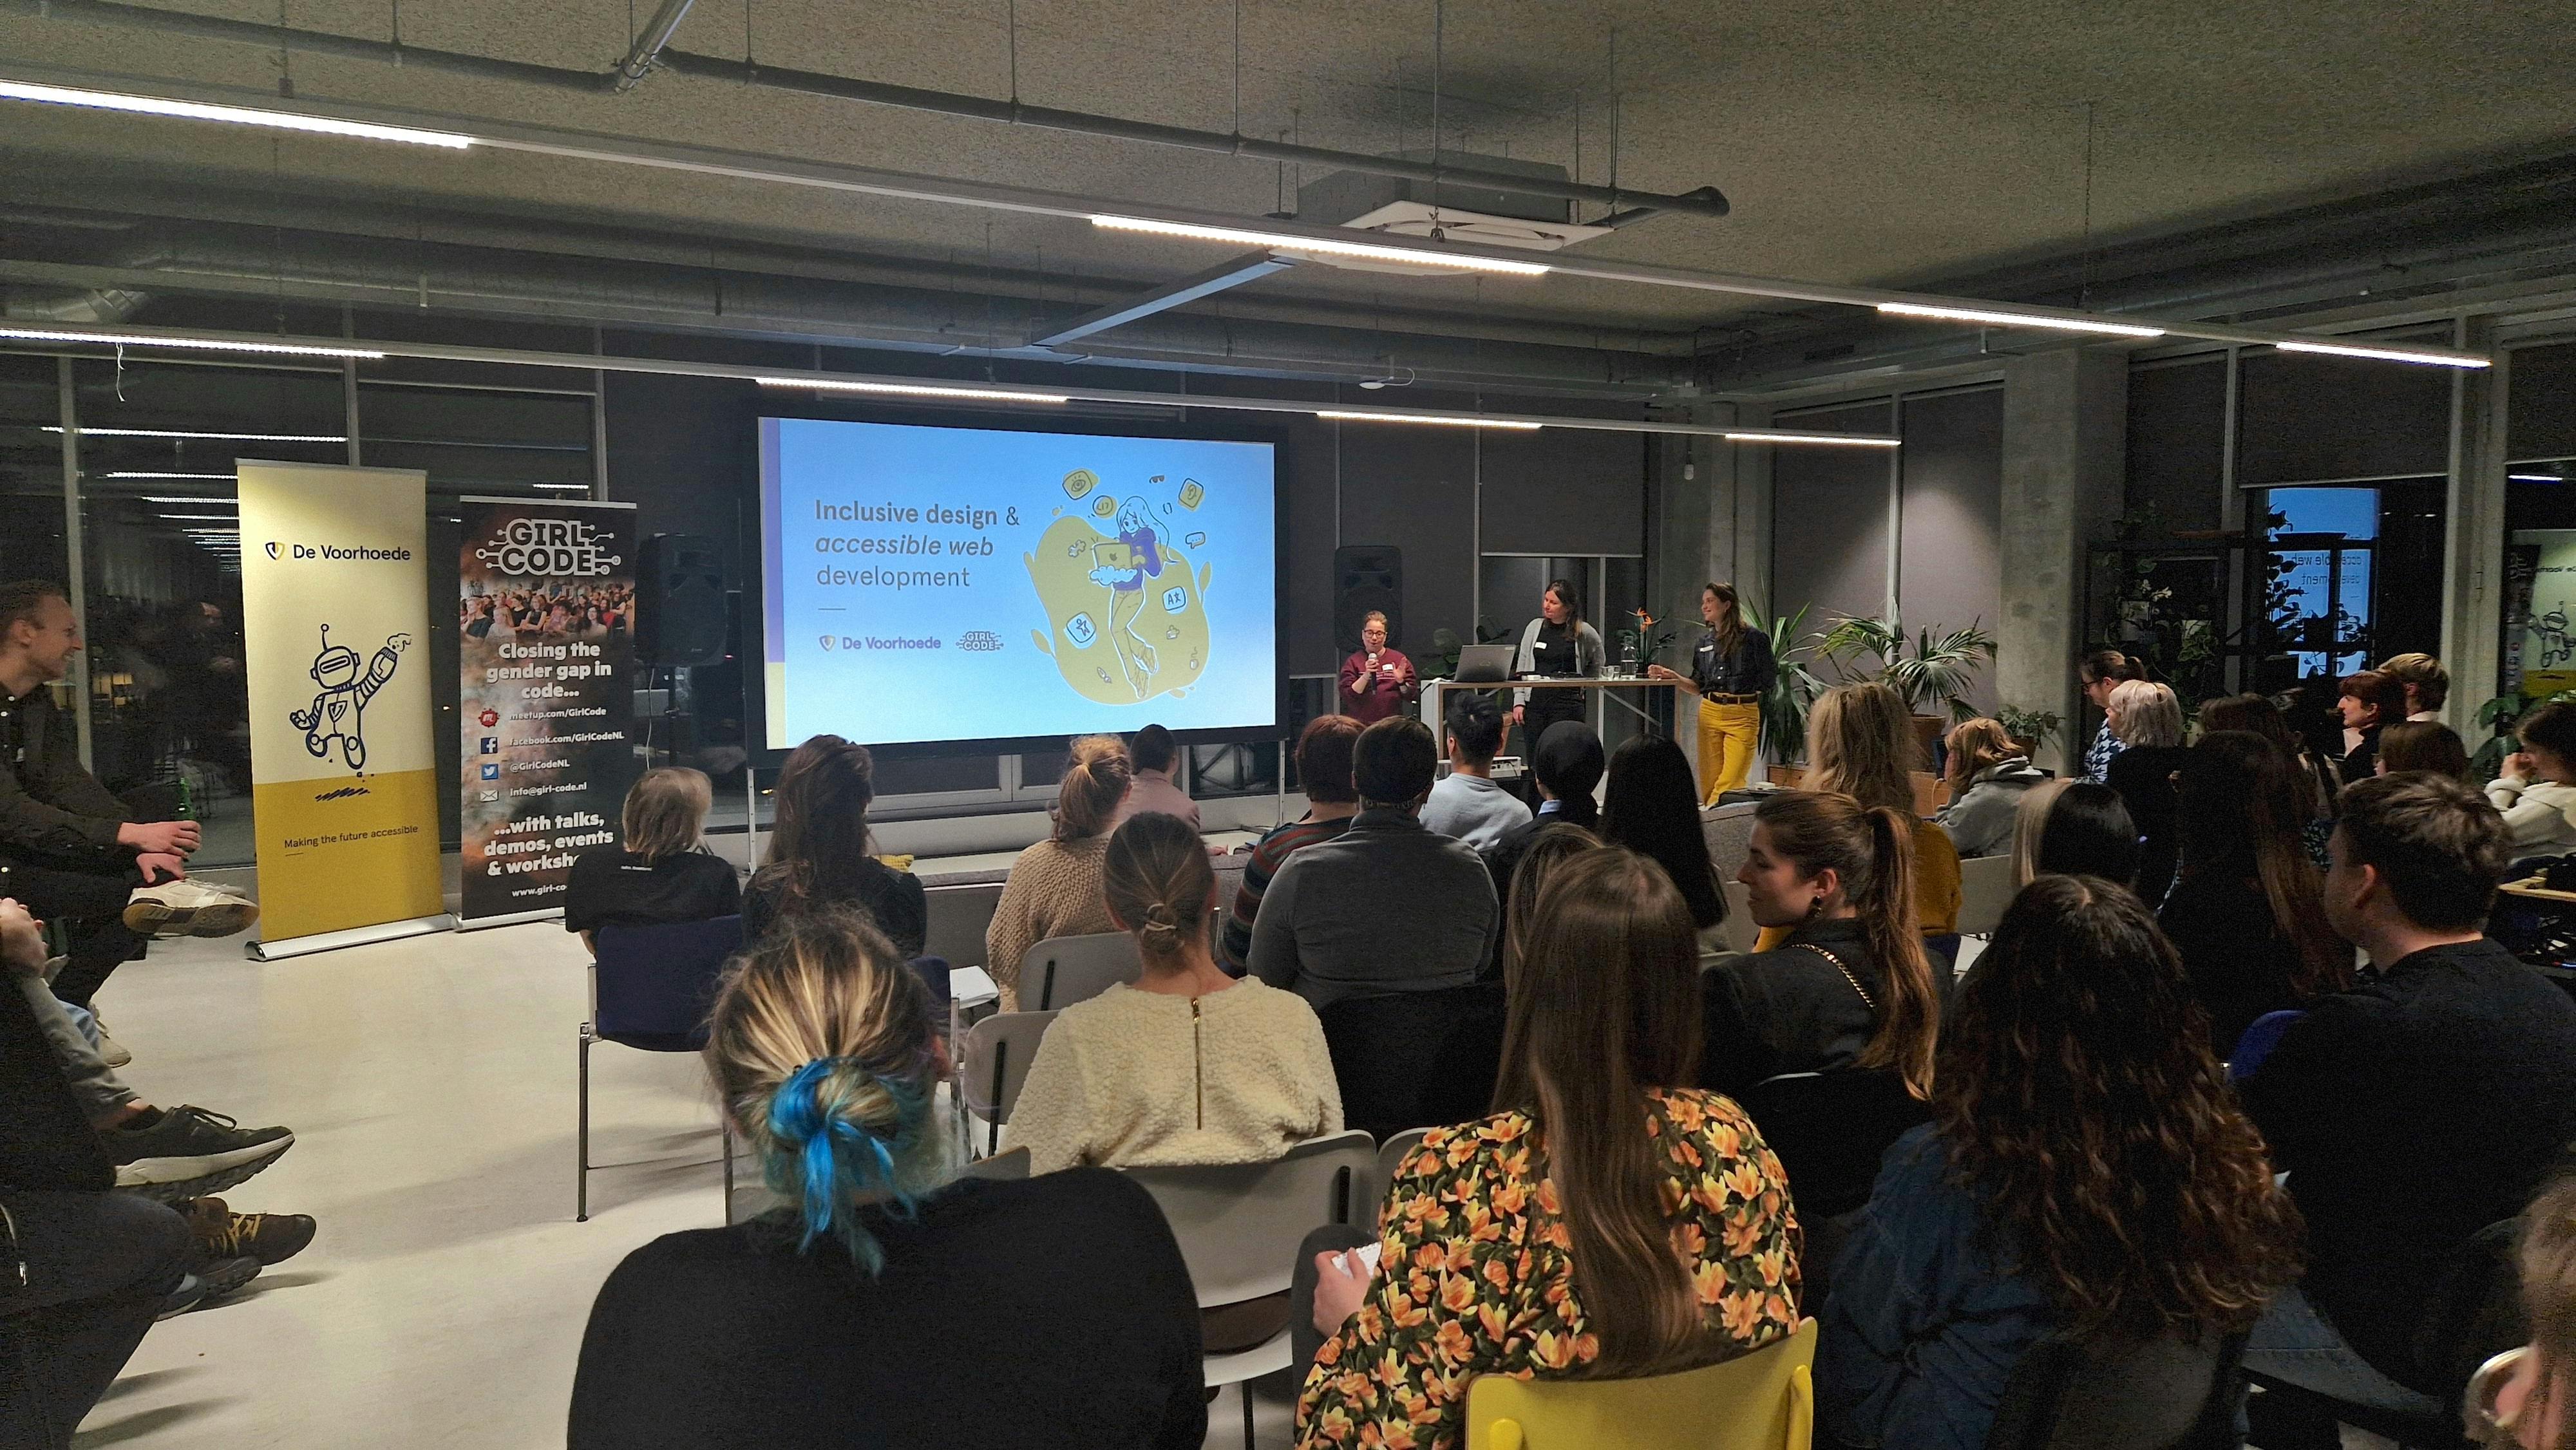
x: 914, y: 390
x: 187, y: 344
x: 2385, y: 354
x: 201, y: 518
x: 1288, y: 243
x: 2537, y: 477
x: 202, y: 500
x: 128, y: 473
x: 239, y: 115
x: 1453, y: 420
x: 210, y: 437
x: 563, y: 487
x: 1845, y: 440
x: 2018, y: 319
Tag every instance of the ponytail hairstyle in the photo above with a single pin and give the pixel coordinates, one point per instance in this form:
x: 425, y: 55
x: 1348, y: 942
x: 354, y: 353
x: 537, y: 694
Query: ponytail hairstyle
x: 824, y: 1056
x: 1871, y: 851
x: 1730, y: 635
x: 1158, y: 883
x: 1096, y: 777
x: 818, y: 841
x: 1563, y: 589
x: 1604, y: 1008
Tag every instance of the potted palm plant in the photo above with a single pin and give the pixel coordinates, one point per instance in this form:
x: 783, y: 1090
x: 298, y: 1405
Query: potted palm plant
x: 1794, y: 687
x: 1933, y: 670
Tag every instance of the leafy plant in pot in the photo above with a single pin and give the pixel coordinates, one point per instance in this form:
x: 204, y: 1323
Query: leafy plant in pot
x: 2032, y: 730
x: 1933, y: 668
x: 1794, y: 687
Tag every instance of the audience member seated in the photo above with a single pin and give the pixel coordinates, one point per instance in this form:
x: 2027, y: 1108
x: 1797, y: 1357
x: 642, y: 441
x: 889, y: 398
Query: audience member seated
x: 1850, y: 984
x: 1387, y: 906
x: 2073, y: 828
x: 2422, y: 745
x: 1987, y: 775
x: 663, y: 873
x: 2247, y: 911
x: 1565, y: 769
x: 2537, y: 791
x: 1860, y: 743
x: 863, y: 1312
x: 1429, y: 1059
x: 1652, y: 808
x: 1653, y: 1234
x: 1187, y: 1066
x: 2424, y: 1103
x: 1324, y: 774
x: 1151, y: 754
x: 820, y: 853
x: 2369, y: 703
x: 2319, y: 779
x: 2426, y: 683
x: 87, y: 1269
x: 2148, y: 719
x: 1054, y: 887
x: 2528, y: 1399
x: 1990, y: 1227
x: 113, y: 871
x: 2101, y: 672
x: 1466, y: 804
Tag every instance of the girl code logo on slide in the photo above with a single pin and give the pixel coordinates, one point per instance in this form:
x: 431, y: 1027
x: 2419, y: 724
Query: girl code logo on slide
x: 1125, y: 602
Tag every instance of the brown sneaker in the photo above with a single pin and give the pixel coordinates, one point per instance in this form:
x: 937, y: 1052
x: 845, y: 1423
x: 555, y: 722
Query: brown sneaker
x: 271, y: 1238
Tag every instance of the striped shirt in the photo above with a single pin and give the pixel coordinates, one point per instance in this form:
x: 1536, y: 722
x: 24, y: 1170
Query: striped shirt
x: 1268, y: 855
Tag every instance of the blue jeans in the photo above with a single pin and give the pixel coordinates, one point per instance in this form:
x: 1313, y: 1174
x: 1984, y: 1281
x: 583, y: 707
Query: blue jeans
x: 2292, y: 1343
x: 99, y: 1267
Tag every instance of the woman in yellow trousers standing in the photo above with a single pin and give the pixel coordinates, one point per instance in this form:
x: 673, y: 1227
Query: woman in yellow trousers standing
x: 1731, y: 669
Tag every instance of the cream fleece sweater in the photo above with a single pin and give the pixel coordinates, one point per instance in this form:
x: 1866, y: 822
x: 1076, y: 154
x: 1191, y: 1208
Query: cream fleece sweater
x: 1053, y: 890
x: 2540, y: 813
x: 1134, y: 1078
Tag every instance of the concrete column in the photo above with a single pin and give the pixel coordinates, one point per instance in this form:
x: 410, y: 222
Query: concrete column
x: 2472, y: 623
x: 1713, y: 524
x: 2065, y: 459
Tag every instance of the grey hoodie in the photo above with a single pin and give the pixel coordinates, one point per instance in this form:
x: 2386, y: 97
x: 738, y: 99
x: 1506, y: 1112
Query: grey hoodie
x: 1980, y: 821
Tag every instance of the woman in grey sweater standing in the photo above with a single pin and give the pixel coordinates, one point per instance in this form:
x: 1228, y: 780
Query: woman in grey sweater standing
x: 1556, y: 644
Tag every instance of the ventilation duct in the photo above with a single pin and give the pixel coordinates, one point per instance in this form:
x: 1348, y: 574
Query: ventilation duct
x: 70, y: 306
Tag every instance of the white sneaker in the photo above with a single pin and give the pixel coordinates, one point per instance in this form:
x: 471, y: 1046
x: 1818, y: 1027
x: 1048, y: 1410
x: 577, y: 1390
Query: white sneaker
x: 188, y: 907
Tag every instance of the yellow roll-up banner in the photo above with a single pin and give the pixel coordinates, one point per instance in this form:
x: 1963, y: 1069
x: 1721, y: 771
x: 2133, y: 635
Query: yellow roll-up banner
x: 335, y: 611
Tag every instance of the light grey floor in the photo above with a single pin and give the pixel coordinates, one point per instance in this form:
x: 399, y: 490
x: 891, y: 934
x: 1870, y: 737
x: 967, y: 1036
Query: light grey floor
x: 430, y: 1082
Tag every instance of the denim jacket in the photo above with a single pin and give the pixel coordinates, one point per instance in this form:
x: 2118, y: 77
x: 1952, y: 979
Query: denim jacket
x: 1923, y: 1326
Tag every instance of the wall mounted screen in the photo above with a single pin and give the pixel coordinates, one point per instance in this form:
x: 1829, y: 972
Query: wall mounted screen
x: 934, y: 584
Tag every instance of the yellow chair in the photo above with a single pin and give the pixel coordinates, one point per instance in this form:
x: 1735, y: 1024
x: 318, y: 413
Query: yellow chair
x: 1765, y: 1400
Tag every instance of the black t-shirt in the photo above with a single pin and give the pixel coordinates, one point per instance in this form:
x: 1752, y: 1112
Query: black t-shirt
x: 1053, y: 1311
x: 614, y: 887
x: 894, y: 898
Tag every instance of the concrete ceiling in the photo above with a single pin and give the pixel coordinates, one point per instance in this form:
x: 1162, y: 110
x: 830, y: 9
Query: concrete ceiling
x: 1887, y: 143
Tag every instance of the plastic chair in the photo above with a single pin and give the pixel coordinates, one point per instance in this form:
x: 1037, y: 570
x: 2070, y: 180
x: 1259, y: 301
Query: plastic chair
x: 2121, y: 1393
x: 1986, y: 891
x: 1239, y: 1226
x: 2255, y: 1044
x: 1765, y: 1400
x: 1739, y: 929
x: 651, y: 987
x: 1063, y: 970
x: 1390, y: 1160
x: 995, y: 1064
x: 956, y: 919
x: 1011, y: 1167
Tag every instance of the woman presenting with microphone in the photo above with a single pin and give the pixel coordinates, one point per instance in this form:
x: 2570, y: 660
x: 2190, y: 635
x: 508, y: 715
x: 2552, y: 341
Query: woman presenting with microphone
x: 1730, y: 671
x: 1559, y: 645
x: 1376, y: 681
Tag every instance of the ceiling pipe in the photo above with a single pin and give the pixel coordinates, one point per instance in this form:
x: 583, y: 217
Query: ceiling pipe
x: 88, y: 304
x: 650, y: 53
x: 647, y: 50
x: 1706, y: 201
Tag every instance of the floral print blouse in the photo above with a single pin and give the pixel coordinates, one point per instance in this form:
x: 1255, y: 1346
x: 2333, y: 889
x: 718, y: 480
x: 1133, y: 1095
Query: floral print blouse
x: 1476, y: 1275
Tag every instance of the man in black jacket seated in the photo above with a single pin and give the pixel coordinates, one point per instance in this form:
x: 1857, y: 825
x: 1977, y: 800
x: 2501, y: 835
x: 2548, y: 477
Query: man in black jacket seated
x: 1566, y: 765
x: 83, y: 1270
x: 2426, y: 1103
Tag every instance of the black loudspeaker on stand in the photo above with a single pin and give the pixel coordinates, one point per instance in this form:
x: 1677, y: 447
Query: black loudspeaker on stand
x: 679, y: 601
x: 1367, y: 578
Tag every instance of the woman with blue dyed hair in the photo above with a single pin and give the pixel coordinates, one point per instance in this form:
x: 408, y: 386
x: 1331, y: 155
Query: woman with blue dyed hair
x: 866, y: 1310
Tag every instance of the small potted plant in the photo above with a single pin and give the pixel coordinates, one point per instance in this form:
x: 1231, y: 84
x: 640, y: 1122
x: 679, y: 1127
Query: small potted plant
x: 2032, y: 730
x: 1928, y: 669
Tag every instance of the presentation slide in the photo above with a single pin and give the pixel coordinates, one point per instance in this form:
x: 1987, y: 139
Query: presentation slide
x: 938, y: 584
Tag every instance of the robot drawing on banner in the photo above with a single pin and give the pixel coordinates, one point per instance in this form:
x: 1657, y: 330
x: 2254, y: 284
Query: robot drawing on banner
x: 338, y: 715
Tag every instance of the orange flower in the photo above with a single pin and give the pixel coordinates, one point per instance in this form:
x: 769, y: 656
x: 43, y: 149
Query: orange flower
x: 1587, y: 1348
x: 1459, y: 1291
x: 1450, y: 1339
x: 1331, y: 1354
x: 1780, y: 1310
x: 1428, y: 1256
x: 1742, y: 1313
x: 1334, y: 1425
x: 1557, y: 1236
x: 1547, y: 1202
x: 1724, y: 1140
x: 1511, y: 1198
x: 1709, y: 1281
x: 1552, y: 1351
x: 1745, y: 1181
x: 1497, y: 1275
x: 1408, y: 1314
x: 1399, y: 1437
x: 1492, y: 1319
x: 1744, y: 1235
x: 1506, y: 1129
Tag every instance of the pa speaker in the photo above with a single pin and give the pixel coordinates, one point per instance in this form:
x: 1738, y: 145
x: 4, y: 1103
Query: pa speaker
x: 680, y: 601
x: 1367, y: 578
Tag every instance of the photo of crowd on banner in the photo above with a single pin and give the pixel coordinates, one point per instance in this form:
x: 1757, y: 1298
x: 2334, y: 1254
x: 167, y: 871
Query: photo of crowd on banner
x: 583, y: 611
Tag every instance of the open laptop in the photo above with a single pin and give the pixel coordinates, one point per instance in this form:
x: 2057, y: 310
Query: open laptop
x: 1485, y: 664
